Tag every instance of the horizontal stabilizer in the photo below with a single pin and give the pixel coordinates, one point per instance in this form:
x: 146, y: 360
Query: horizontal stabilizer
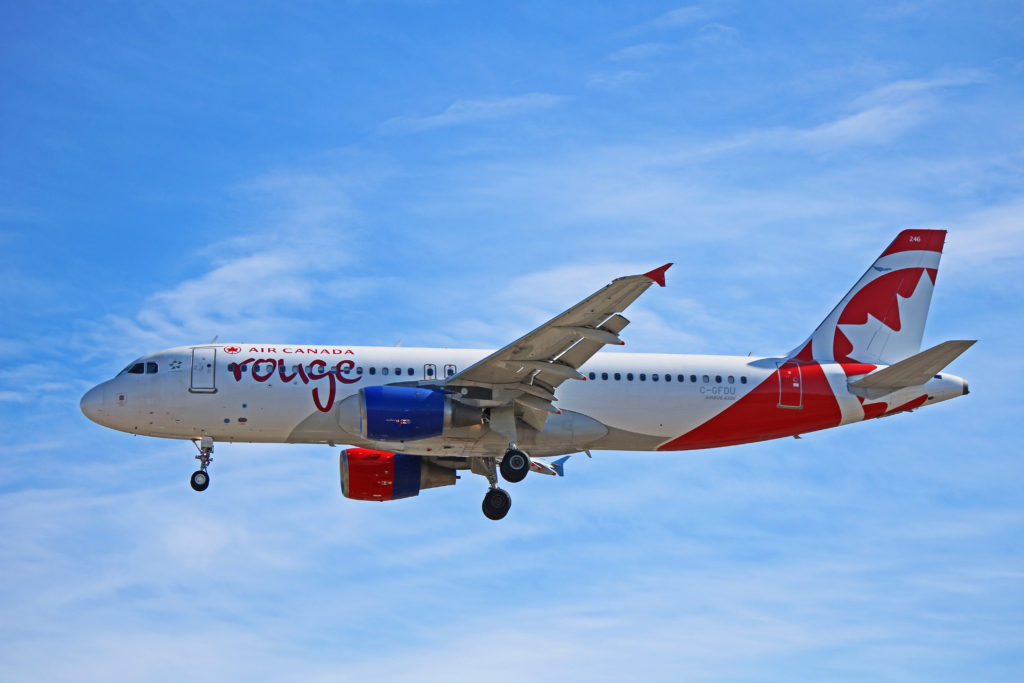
x: 910, y: 372
x: 542, y: 466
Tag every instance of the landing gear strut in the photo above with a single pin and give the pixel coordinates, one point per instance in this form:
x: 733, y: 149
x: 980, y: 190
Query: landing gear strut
x: 515, y: 465
x: 496, y: 501
x: 200, y: 479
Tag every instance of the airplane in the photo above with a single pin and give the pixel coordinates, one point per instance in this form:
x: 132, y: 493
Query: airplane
x: 416, y: 416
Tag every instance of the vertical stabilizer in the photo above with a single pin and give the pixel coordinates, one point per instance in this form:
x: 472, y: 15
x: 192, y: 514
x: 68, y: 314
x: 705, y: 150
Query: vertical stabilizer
x: 881, y: 320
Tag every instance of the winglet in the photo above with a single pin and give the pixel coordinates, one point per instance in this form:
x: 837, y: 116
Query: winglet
x: 658, y: 274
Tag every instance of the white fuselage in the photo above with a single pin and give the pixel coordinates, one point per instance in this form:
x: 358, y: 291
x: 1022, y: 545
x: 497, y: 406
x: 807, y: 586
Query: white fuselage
x: 297, y: 394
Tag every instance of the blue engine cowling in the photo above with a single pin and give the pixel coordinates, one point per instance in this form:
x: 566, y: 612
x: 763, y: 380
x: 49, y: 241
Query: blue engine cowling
x: 390, y: 413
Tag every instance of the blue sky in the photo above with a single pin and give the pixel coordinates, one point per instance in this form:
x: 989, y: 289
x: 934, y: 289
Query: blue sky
x: 451, y: 174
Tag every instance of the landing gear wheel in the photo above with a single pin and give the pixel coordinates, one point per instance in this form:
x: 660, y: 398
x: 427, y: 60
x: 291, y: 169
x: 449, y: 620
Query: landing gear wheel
x: 200, y: 480
x: 514, y: 466
x: 496, y: 504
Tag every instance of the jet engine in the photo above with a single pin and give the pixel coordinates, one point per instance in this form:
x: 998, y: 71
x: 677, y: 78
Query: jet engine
x: 400, y: 413
x: 376, y: 475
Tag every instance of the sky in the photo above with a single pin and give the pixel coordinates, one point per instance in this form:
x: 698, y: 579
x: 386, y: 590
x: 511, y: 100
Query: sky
x: 453, y: 174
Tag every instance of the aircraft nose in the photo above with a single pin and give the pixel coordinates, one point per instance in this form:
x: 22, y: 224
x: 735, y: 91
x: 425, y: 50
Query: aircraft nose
x: 92, y: 403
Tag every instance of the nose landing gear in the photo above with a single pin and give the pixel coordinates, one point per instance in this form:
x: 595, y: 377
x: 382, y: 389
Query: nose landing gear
x: 200, y: 480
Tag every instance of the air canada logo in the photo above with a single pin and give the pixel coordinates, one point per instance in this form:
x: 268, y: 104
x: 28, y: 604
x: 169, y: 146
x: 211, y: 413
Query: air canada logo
x: 232, y: 349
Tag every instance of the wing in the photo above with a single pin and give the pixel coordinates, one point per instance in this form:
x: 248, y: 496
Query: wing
x: 526, y: 373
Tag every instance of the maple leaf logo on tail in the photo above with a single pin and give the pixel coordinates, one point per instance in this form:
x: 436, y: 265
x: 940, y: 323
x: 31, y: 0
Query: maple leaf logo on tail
x: 881, y: 320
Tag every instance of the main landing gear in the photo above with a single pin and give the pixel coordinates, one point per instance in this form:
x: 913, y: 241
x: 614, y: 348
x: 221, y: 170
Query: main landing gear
x: 200, y: 479
x: 514, y: 467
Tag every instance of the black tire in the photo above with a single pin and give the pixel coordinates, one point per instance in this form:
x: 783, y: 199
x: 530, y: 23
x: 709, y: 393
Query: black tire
x: 496, y: 504
x: 514, y: 466
x: 200, y: 480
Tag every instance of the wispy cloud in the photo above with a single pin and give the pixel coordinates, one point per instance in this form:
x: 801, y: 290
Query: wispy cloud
x: 463, y: 112
x: 639, y: 52
x: 267, y: 281
x: 886, y: 112
x: 990, y: 238
x: 870, y: 126
x: 681, y: 17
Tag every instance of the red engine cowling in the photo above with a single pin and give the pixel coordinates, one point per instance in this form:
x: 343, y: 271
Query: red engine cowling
x: 378, y: 475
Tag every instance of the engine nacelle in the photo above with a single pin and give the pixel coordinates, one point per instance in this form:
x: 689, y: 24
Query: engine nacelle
x: 377, y: 475
x: 401, y: 413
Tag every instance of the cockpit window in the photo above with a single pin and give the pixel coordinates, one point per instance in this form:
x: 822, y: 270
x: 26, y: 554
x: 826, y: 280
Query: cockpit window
x: 139, y: 368
x: 131, y: 368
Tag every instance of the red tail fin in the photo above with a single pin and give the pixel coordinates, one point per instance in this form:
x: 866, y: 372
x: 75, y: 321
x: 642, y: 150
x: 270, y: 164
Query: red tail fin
x: 881, y: 320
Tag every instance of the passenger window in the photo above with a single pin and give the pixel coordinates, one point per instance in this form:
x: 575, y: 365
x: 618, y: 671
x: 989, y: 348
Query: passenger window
x: 137, y: 369
x: 383, y: 371
x: 151, y: 368
x: 693, y: 378
x: 732, y: 380
x: 373, y: 371
x: 743, y: 380
x: 592, y: 375
x: 629, y: 376
x: 643, y: 377
x: 398, y: 371
x: 706, y: 379
x: 718, y: 379
x: 617, y: 376
x: 604, y: 375
x: 668, y: 377
x: 410, y: 372
x: 680, y: 378
x: 449, y: 370
x: 654, y: 377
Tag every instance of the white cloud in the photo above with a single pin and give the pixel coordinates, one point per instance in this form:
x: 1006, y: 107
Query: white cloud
x: 614, y: 79
x: 716, y: 34
x: 886, y: 112
x: 274, y: 279
x: 471, y: 111
x: 989, y: 238
x: 639, y: 52
x: 681, y: 17
x: 870, y: 126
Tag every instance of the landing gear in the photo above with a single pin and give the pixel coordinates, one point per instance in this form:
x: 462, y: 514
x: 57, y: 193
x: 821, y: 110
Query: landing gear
x: 515, y: 465
x: 497, y: 501
x: 200, y: 478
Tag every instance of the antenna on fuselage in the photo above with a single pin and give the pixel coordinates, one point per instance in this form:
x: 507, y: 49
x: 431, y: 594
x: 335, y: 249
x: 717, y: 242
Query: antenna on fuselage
x: 215, y: 338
